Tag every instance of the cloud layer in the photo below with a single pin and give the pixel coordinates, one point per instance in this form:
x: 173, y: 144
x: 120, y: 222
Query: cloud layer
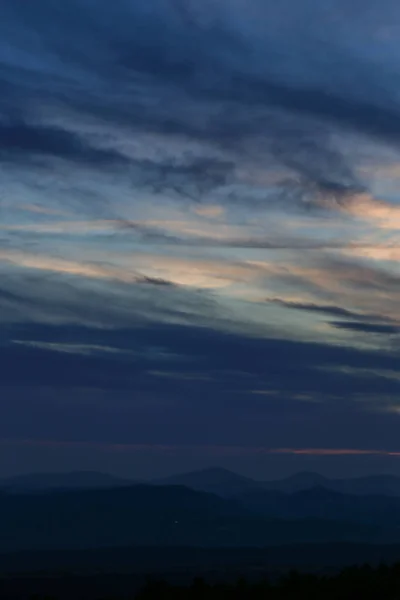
x: 199, y: 222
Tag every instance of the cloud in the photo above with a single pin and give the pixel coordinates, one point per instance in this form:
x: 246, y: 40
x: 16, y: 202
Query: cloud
x: 347, y: 389
x: 330, y: 310
x: 367, y: 327
x: 210, y: 211
x: 378, y: 212
x: 7, y: 296
x: 191, y: 179
x: 22, y: 141
x: 164, y: 175
x: 212, y: 351
x: 331, y: 278
x: 185, y: 232
x: 141, y: 268
x: 202, y: 65
x: 37, y: 295
x: 334, y: 452
x: 84, y: 349
x: 215, y: 451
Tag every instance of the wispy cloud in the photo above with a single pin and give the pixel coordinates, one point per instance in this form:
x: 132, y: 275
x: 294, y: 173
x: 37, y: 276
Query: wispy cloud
x: 208, y: 180
x: 214, y: 451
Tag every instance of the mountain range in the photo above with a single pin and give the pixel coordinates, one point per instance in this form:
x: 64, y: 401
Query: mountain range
x: 208, y: 508
x: 214, y: 480
x: 144, y: 515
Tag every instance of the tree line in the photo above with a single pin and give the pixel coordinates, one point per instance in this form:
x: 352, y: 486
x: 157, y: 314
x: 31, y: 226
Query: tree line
x: 355, y: 583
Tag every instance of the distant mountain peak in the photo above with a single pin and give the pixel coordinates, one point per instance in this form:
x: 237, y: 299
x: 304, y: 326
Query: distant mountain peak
x: 216, y: 480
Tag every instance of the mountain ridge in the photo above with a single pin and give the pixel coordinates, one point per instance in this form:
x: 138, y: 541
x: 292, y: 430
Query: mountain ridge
x: 149, y: 515
x: 216, y: 480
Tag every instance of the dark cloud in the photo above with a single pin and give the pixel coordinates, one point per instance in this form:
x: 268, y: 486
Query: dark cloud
x: 188, y: 177
x: 347, y: 112
x: 7, y: 296
x: 367, y: 327
x: 331, y: 311
x: 202, y: 65
x: 156, y: 281
x: 21, y: 141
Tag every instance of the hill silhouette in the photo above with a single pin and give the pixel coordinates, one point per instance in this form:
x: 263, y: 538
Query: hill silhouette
x: 321, y: 503
x: 388, y: 485
x: 228, y: 483
x: 214, y: 480
x: 161, y: 516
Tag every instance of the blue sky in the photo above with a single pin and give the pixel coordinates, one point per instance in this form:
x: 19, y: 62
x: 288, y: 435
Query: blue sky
x: 199, y: 235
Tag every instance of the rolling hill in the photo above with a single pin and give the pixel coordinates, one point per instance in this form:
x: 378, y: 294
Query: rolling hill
x: 159, y: 516
x: 214, y: 480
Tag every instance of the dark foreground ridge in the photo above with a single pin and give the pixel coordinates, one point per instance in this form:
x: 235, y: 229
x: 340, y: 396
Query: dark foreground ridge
x: 365, y: 582
x: 351, y: 584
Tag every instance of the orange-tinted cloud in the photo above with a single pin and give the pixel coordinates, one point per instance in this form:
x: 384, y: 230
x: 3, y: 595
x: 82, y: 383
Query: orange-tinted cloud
x: 200, y: 449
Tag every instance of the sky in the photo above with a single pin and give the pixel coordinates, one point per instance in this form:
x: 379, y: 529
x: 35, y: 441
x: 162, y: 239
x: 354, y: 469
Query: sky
x: 199, y: 236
